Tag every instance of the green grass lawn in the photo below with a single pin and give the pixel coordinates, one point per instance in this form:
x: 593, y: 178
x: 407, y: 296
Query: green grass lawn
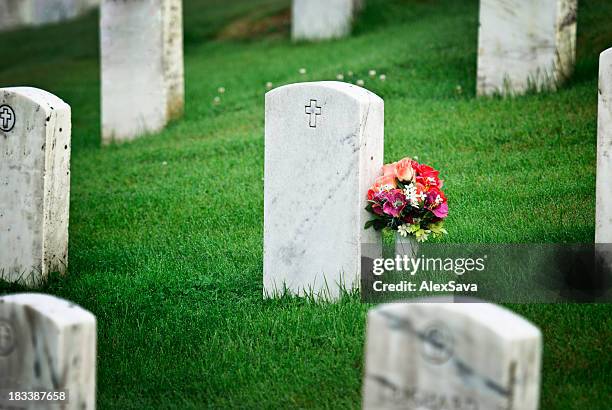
x: 166, y: 232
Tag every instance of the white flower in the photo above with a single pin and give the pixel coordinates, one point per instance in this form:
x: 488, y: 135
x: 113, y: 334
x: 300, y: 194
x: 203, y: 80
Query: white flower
x: 217, y: 100
x: 269, y: 85
x: 372, y: 73
x: 360, y: 83
x: 350, y: 73
x: 340, y: 77
x: 221, y: 90
x: 403, y: 230
x: 302, y: 71
x: 411, y: 193
x: 164, y: 163
x: 382, y: 77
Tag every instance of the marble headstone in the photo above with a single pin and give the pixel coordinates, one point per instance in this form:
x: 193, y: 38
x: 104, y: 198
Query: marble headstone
x: 142, y: 66
x: 525, y: 45
x: 603, y: 208
x: 323, y: 150
x: 20, y: 13
x: 34, y: 184
x: 450, y: 356
x: 322, y: 19
x: 47, y: 345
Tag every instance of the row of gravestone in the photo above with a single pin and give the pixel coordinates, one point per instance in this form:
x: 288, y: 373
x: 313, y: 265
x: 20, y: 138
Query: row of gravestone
x: 327, y: 135
x: 523, y: 45
x: 429, y: 355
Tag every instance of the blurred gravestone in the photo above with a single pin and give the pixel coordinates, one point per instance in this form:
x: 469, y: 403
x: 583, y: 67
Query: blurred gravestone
x: 322, y: 19
x: 34, y: 184
x: 323, y: 150
x: 142, y: 66
x: 47, y: 345
x: 445, y: 355
x: 603, y: 208
x: 20, y: 13
x: 525, y: 45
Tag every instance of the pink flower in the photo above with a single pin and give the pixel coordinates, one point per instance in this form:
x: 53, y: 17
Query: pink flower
x: 386, y: 181
x: 441, y: 211
x: 395, y: 202
x: 388, y: 169
x: 404, y: 171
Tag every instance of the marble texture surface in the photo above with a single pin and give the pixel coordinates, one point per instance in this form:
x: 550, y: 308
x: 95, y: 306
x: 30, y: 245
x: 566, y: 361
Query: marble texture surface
x: 524, y: 45
x: 603, y: 208
x: 142, y: 66
x: 20, y: 13
x: 47, y: 344
x: 34, y: 184
x: 436, y: 355
x: 323, y: 150
x: 322, y: 19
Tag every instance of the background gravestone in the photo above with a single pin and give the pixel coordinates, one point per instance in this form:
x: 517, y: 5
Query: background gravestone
x: 445, y: 355
x: 19, y: 13
x: 603, y: 208
x: 142, y: 66
x: 34, y: 184
x: 322, y: 19
x: 524, y: 44
x: 47, y: 344
x: 323, y: 150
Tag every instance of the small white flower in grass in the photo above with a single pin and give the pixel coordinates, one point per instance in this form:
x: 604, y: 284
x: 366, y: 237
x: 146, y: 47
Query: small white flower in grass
x: 350, y: 73
x: 340, y: 77
x: 403, y: 230
x: 269, y: 85
x: 372, y: 73
x: 216, y: 100
x: 382, y: 77
x: 221, y: 90
x: 360, y: 83
x: 458, y: 89
x: 164, y: 163
x: 415, y: 157
x: 302, y: 71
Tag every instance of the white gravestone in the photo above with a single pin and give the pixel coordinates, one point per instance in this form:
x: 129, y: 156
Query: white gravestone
x: 321, y: 19
x: 471, y: 356
x: 603, y: 208
x: 525, y: 44
x: 142, y: 66
x: 34, y: 184
x: 323, y: 150
x: 47, y: 345
x: 21, y: 13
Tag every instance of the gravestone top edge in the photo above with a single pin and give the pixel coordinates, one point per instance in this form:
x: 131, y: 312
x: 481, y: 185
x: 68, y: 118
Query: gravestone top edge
x: 351, y: 90
x: 40, y: 97
x: 607, y: 53
x: 501, y: 321
x: 61, y: 311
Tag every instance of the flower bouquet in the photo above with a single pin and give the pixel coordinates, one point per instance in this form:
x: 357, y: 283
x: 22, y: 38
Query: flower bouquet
x: 408, y: 198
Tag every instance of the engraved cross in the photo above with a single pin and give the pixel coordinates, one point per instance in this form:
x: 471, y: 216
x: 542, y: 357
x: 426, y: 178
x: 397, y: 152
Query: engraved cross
x: 6, y: 116
x: 312, y: 109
